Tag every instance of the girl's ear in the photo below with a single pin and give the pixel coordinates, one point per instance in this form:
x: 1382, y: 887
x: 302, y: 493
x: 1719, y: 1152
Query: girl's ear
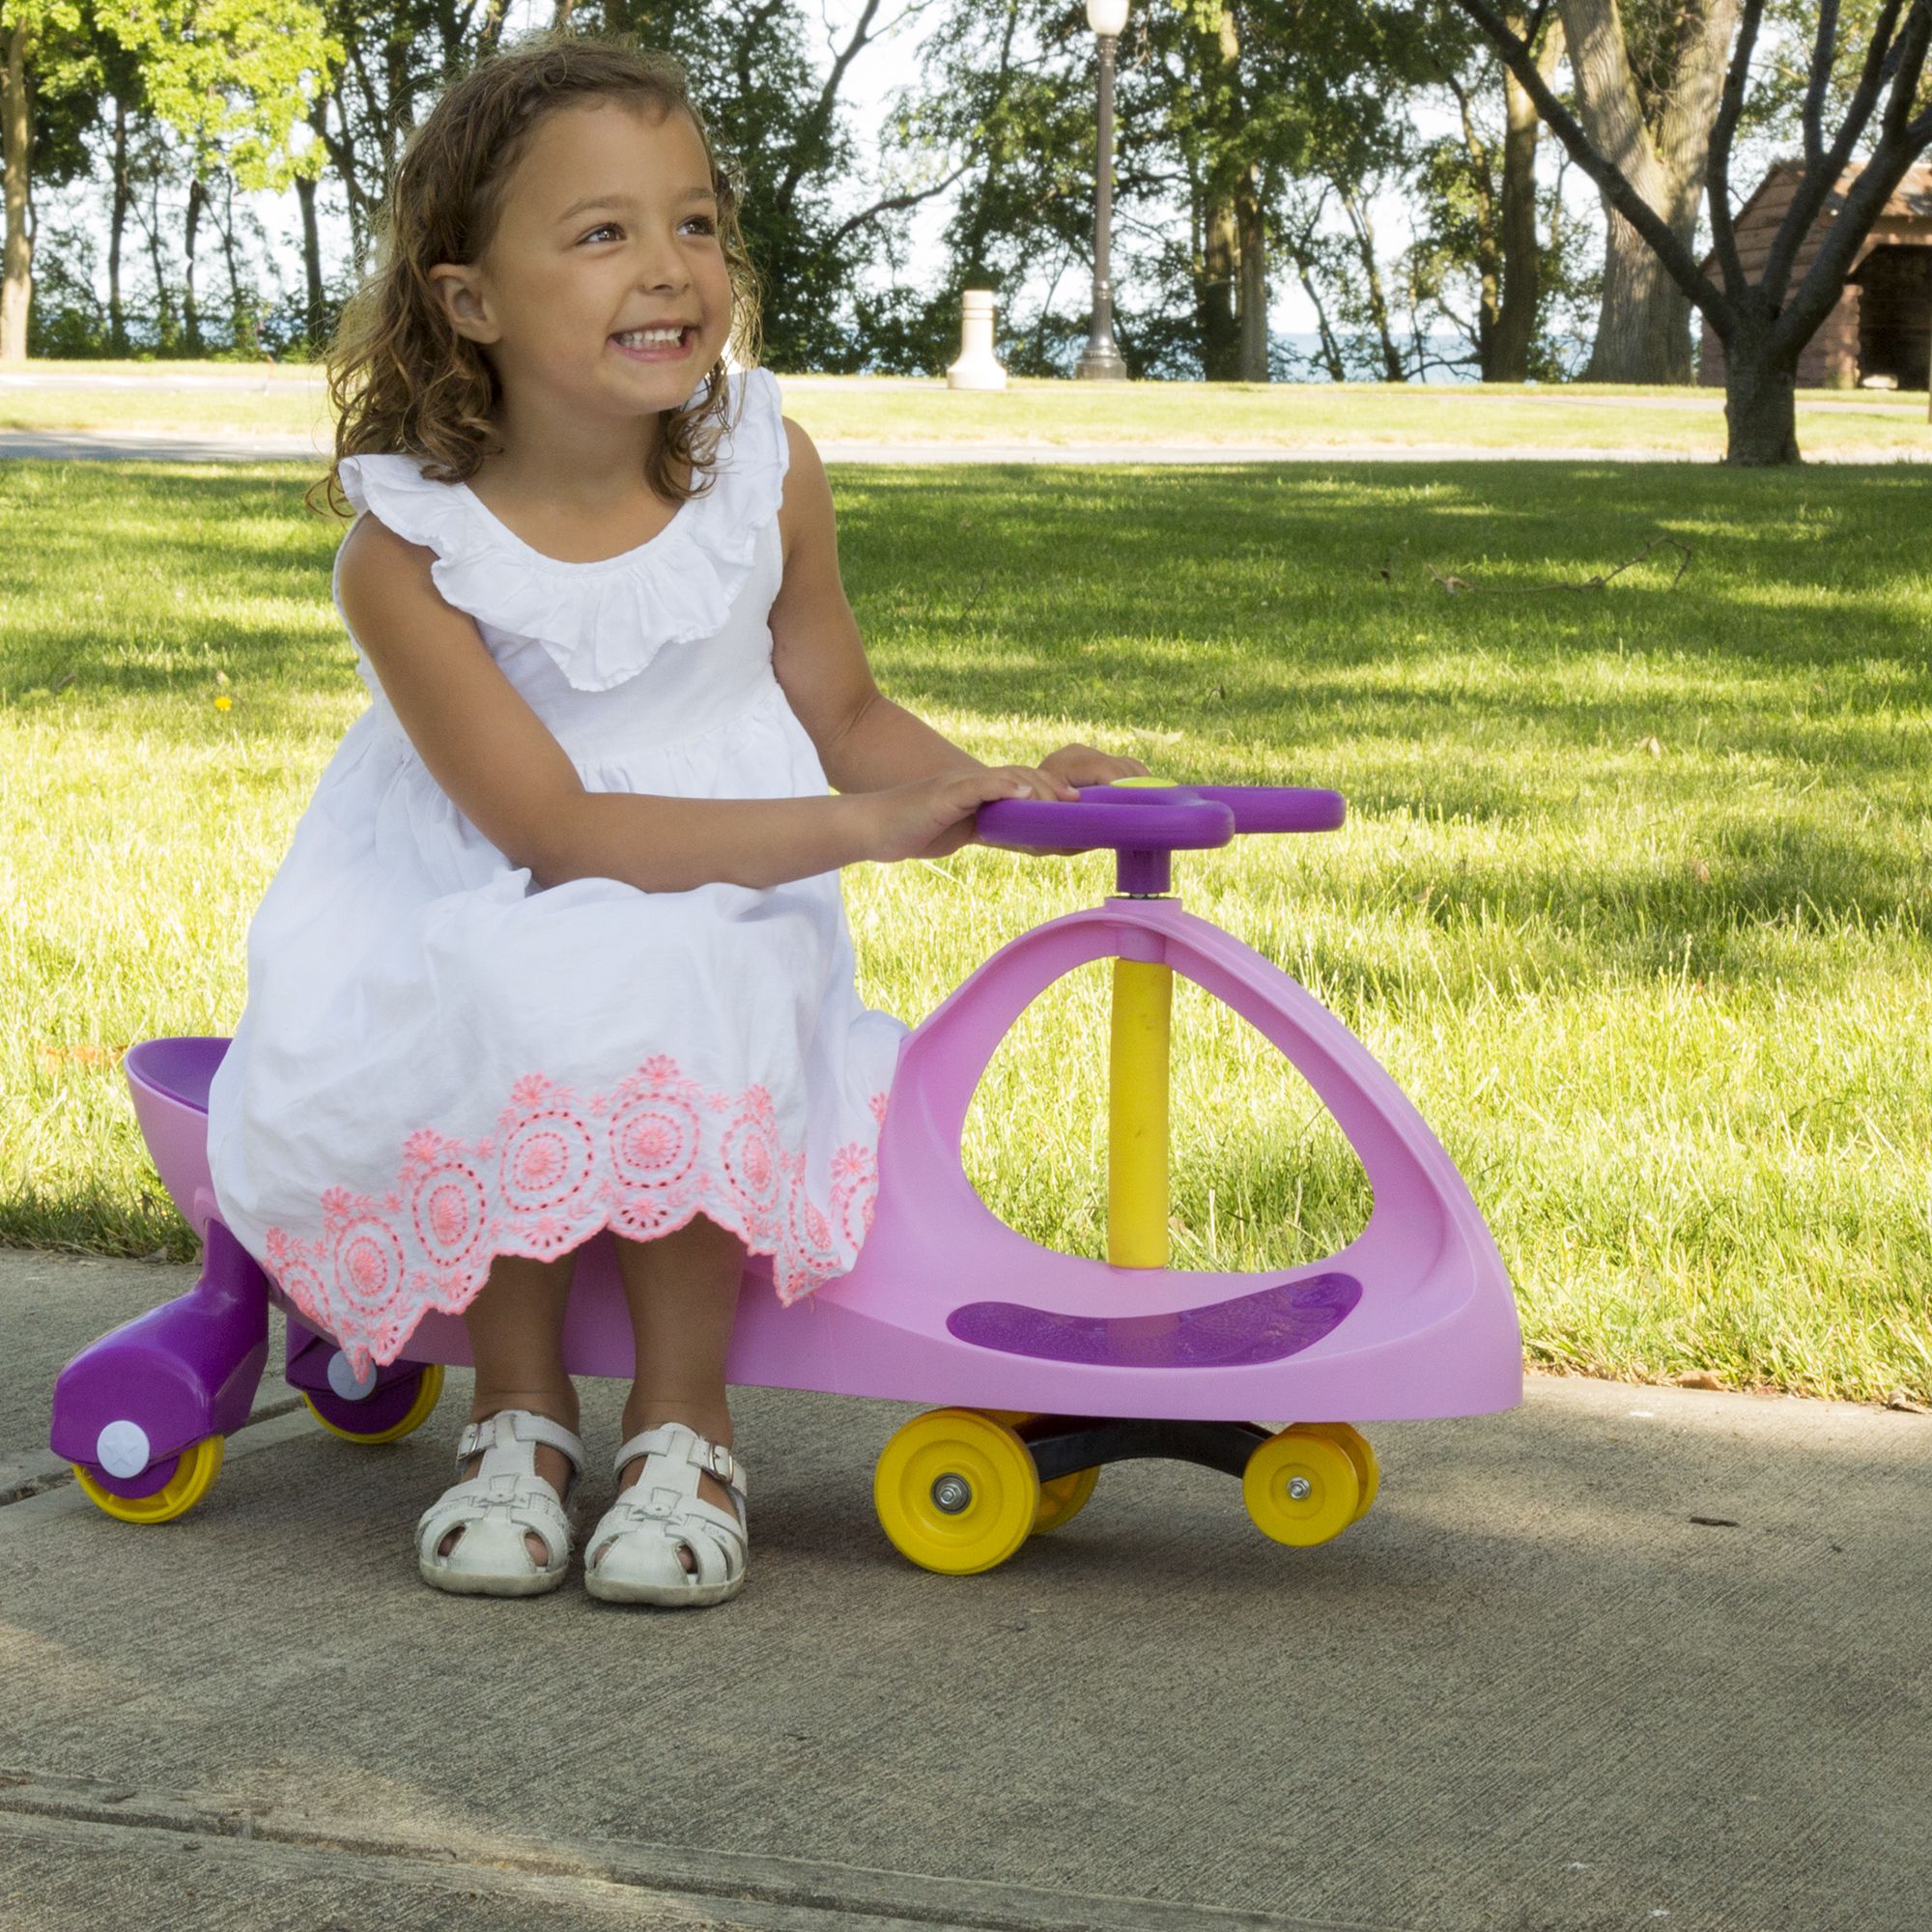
x: 465, y: 300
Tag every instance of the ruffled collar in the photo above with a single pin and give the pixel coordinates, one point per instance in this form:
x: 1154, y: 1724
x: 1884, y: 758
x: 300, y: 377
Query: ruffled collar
x: 599, y: 622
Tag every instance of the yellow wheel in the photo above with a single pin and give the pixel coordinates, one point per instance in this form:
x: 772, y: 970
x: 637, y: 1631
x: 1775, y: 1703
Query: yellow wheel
x: 1065, y: 1496
x: 1301, y: 1488
x: 1062, y: 1499
x: 429, y: 1389
x: 1360, y: 1453
x: 195, y: 1469
x: 956, y: 1490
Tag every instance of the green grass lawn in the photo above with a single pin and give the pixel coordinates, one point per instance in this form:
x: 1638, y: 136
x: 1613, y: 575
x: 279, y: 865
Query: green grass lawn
x: 1632, y: 899
x: 232, y: 399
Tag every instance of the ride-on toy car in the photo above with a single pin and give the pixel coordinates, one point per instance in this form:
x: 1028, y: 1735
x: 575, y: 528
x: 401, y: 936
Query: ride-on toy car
x: 1049, y: 1365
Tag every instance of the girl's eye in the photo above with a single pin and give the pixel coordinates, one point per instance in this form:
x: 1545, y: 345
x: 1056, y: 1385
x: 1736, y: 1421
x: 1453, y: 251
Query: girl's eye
x: 610, y: 227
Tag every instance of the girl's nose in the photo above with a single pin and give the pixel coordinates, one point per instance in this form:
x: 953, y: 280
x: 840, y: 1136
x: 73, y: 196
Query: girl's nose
x: 663, y: 267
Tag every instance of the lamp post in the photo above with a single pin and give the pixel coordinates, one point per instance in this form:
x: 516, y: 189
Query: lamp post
x: 1101, y: 362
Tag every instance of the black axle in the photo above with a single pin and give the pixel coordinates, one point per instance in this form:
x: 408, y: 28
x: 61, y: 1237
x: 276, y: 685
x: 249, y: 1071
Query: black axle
x: 1061, y: 1444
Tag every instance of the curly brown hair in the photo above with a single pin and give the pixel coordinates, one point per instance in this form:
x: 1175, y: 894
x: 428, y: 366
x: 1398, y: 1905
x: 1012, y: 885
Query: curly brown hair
x: 401, y: 379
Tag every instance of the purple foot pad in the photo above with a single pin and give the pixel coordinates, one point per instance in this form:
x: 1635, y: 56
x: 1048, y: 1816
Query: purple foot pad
x: 1259, y: 1327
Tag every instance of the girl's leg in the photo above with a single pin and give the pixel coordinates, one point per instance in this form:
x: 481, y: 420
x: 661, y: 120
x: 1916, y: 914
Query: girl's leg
x: 516, y: 1329
x: 683, y: 1293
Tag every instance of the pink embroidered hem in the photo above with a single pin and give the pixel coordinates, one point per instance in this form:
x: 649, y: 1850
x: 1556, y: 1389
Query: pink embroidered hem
x: 641, y: 1160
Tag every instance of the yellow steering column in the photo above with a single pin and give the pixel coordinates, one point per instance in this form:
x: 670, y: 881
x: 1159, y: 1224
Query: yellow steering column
x: 1137, y: 1090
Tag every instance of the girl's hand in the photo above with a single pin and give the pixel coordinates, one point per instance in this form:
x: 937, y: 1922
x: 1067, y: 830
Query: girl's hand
x: 932, y: 817
x: 1083, y: 765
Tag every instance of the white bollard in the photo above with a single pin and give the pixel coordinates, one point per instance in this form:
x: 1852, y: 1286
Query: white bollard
x: 976, y: 368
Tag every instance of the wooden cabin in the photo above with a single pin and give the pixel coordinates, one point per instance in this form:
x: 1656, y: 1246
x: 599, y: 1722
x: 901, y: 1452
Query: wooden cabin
x: 1883, y: 323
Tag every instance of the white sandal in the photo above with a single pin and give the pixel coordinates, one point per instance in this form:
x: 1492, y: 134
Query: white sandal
x: 496, y: 1506
x: 631, y: 1556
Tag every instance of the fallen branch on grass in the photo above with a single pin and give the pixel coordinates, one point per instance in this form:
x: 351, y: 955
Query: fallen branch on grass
x: 1452, y: 584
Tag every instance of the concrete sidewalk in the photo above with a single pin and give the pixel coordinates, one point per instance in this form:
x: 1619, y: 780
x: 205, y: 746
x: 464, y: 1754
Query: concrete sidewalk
x: 1624, y: 1657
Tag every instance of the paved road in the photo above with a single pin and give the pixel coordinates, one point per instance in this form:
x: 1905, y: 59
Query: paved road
x: 166, y: 447
x: 1624, y: 1658
x: 283, y: 375
x: 162, y: 446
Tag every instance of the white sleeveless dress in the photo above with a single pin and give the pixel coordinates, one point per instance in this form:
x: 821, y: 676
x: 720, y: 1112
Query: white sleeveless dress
x: 438, y: 1063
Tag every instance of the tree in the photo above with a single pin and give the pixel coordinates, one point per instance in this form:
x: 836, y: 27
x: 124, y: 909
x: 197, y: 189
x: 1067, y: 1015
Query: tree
x: 1648, y: 84
x: 1479, y: 210
x: 395, y: 54
x: 42, y: 60
x: 232, y: 79
x: 122, y: 102
x: 227, y: 75
x: 1267, y: 95
x: 1005, y: 114
x: 1214, y: 124
x: 1877, y: 98
x: 1224, y: 107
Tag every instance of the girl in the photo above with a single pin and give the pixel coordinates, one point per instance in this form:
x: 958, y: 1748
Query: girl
x: 559, y: 943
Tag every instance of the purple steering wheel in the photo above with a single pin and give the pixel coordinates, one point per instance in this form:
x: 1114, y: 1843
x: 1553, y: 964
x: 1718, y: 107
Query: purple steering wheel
x: 1147, y: 824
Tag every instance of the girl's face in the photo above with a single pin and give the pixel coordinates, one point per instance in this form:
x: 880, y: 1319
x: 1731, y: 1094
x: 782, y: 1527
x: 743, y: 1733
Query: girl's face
x: 607, y: 228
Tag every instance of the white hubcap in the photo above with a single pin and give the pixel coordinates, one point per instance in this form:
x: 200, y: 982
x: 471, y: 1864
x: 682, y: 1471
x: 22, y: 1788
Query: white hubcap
x: 121, y: 1449
x: 342, y: 1379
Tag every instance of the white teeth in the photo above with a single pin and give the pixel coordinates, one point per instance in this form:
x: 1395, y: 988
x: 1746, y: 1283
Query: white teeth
x: 638, y: 338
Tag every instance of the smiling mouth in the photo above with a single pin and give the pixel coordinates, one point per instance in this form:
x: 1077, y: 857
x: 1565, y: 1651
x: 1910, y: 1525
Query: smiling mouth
x: 655, y: 345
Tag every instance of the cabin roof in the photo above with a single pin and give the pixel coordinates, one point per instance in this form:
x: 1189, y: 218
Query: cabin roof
x: 1911, y: 200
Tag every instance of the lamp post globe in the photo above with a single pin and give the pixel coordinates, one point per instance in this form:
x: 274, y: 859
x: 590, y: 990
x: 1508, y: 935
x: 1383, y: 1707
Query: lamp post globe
x: 1101, y: 360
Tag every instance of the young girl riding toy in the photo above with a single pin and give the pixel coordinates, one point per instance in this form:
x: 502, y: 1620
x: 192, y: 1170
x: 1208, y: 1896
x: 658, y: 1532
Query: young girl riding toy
x: 551, y: 1061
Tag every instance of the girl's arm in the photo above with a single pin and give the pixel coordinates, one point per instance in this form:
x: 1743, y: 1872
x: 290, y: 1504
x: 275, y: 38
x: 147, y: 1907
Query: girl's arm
x: 501, y: 767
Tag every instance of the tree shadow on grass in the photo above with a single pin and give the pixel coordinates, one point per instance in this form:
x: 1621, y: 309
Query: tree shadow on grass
x: 1182, y: 552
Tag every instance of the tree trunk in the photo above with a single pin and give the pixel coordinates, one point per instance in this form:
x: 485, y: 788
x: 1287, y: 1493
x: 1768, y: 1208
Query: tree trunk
x: 306, y: 190
x: 1488, y: 260
x: 1252, y: 234
x: 198, y: 194
x: 1298, y: 242
x: 1325, y: 333
x: 1507, y: 353
x: 166, y: 337
x: 1760, y: 403
x: 342, y: 153
x: 1659, y: 135
x: 117, y: 224
x: 243, y: 330
x: 1218, y: 49
x: 1506, y: 357
x: 1644, y: 329
x: 1214, y: 305
x: 17, y: 148
x: 1363, y: 225
x: 1488, y: 314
